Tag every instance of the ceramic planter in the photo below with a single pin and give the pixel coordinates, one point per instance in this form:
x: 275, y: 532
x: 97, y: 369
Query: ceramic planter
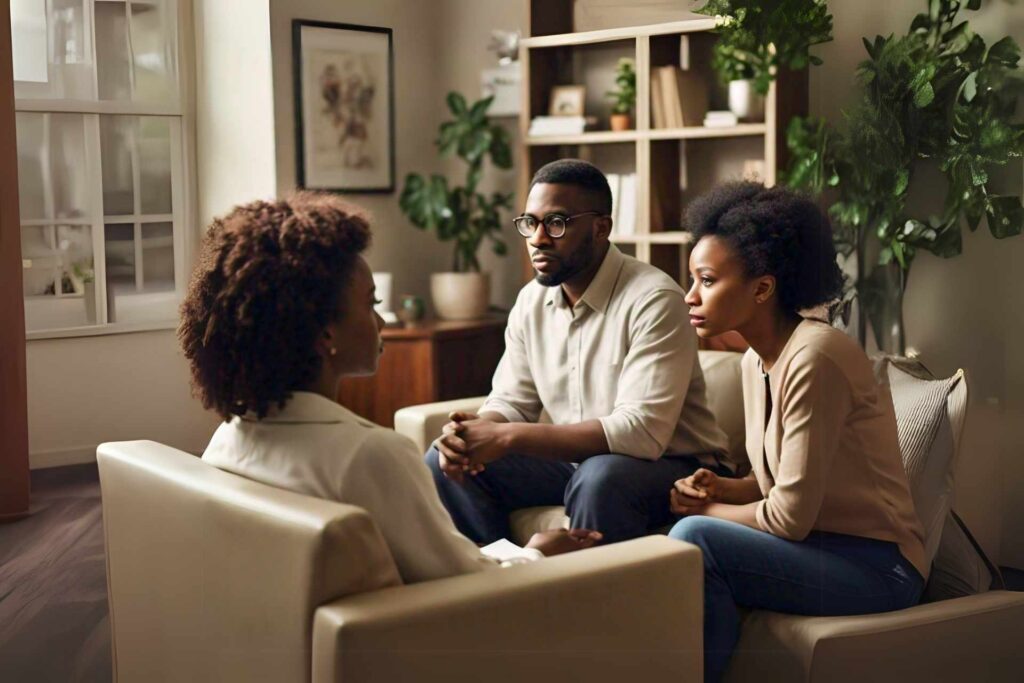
x: 460, y: 296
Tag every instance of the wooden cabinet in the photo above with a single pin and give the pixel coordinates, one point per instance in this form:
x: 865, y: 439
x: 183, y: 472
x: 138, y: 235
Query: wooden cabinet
x: 433, y: 361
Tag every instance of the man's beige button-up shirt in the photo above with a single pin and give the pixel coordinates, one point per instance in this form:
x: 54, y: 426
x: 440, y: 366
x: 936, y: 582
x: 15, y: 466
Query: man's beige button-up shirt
x: 625, y: 354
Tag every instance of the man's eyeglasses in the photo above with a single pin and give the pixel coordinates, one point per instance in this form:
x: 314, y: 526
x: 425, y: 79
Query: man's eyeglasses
x: 554, y: 223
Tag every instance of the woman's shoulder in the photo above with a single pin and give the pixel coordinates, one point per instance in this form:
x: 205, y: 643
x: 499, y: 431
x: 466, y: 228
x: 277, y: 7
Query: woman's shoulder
x: 818, y: 345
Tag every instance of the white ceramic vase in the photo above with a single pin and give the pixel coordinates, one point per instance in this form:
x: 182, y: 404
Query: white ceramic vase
x: 460, y: 296
x: 744, y: 101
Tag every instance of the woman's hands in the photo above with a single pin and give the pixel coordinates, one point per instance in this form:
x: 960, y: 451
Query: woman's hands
x: 558, y: 541
x: 691, y: 495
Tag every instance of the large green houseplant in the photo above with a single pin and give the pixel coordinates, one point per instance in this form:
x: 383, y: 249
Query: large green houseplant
x: 937, y: 95
x: 462, y: 213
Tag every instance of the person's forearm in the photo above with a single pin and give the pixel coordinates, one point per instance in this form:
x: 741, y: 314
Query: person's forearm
x: 566, y: 443
x: 741, y: 514
x: 739, y: 491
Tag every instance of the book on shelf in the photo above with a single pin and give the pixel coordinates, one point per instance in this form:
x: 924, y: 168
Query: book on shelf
x: 720, y: 119
x: 626, y: 211
x: 681, y: 96
x: 541, y: 126
x: 615, y: 184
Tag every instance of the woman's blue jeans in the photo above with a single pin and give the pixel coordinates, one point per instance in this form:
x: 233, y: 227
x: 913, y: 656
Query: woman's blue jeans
x: 824, y: 575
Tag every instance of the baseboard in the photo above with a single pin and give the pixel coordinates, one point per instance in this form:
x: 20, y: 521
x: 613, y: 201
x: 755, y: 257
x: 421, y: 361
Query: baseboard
x: 59, y: 457
x: 39, y: 460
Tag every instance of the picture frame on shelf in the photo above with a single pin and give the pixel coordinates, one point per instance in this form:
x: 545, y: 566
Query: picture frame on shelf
x: 567, y: 100
x: 344, y: 107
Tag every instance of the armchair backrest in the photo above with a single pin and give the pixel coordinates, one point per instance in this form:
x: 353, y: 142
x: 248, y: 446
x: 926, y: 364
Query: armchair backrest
x: 215, y: 577
x: 724, y: 388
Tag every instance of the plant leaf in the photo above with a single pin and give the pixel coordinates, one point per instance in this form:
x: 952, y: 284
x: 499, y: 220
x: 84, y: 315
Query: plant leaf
x: 456, y: 103
x: 1005, y: 216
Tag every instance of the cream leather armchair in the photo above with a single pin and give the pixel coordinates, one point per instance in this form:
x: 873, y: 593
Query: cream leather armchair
x: 213, y: 577
x: 974, y: 638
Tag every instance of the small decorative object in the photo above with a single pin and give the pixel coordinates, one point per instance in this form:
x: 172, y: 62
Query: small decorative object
x: 504, y: 84
x: 567, y: 100
x: 506, y: 45
x: 344, y: 107
x: 624, y: 95
x: 410, y: 309
x: 937, y: 94
x: 463, y: 214
x: 745, y: 102
x: 382, y: 283
x: 757, y: 38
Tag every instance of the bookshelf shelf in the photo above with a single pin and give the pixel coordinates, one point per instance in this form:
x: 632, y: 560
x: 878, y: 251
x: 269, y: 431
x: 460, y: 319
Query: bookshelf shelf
x: 670, y: 165
x: 702, y: 132
x: 591, y: 138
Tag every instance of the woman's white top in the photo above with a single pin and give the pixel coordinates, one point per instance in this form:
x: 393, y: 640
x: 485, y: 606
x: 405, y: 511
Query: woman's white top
x: 316, y: 447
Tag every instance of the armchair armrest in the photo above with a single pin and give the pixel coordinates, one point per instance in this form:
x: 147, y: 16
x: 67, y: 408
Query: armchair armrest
x: 970, y: 638
x: 423, y: 423
x: 627, y: 611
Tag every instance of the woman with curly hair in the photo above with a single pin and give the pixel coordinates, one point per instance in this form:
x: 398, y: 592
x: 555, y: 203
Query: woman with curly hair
x: 825, y: 524
x: 279, y: 309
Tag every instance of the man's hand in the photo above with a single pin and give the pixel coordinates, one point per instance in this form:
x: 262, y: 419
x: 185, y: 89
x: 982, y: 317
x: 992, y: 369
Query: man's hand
x: 558, y: 541
x: 453, y: 457
x: 691, y: 495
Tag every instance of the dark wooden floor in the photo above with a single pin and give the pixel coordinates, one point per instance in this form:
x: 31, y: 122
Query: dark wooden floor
x: 53, y: 592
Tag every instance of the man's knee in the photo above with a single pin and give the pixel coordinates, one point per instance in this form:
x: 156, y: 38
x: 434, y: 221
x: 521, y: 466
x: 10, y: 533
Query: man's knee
x: 600, y: 480
x: 432, y: 459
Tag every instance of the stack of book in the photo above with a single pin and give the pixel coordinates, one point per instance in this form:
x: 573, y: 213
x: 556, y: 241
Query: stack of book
x: 720, y: 119
x: 678, y: 98
x: 623, y: 187
x: 542, y: 126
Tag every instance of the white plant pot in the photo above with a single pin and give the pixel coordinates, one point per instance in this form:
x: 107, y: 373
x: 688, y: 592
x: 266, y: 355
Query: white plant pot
x: 460, y: 296
x: 744, y: 101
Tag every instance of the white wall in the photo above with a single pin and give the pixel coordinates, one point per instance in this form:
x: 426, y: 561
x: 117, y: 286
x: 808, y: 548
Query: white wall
x: 419, y: 35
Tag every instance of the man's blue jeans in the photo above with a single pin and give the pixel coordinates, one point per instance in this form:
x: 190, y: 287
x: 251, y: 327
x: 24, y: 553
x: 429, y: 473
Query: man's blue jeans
x: 621, y: 496
x: 824, y: 575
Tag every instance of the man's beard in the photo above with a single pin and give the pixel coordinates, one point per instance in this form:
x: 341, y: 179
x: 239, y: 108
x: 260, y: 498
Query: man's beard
x: 574, y: 263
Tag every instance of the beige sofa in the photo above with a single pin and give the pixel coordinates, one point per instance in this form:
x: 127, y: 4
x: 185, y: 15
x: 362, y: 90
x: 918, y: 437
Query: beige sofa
x: 215, y: 578
x: 976, y: 638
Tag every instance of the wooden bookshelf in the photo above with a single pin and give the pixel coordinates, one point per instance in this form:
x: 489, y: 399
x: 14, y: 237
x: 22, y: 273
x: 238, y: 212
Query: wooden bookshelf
x: 672, y: 165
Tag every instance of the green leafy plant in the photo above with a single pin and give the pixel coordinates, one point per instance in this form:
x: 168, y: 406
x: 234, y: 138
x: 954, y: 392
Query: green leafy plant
x: 757, y: 37
x: 937, y: 95
x: 461, y: 213
x: 624, y: 96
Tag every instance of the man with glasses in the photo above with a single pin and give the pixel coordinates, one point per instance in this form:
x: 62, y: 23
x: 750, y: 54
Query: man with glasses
x: 602, y: 343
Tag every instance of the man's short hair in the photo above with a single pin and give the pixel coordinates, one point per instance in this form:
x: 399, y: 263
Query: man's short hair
x: 581, y: 174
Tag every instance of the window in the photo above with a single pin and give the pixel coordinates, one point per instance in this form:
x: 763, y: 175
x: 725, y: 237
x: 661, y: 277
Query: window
x: 101, y: 164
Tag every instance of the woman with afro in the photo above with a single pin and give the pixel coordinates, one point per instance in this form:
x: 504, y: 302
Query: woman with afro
x: 279, y: 309
x: 824, y: 524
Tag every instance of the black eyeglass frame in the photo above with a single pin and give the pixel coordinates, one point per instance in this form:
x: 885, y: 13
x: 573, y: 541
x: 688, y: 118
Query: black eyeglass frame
x: 518, y: 220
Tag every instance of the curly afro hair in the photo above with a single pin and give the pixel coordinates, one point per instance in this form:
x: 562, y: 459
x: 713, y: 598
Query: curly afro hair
x: 774, y: 231
x: 269, y: 279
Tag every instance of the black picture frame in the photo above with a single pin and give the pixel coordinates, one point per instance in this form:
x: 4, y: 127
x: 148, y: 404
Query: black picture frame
x: 308, y: 166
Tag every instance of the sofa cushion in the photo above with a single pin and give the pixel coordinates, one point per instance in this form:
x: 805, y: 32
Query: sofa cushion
x: 926, y: 409
x: 724, y: 382
x: 960, y: 567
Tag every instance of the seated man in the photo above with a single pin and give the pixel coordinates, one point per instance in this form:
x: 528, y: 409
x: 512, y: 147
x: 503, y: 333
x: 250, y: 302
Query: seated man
x: 601, y: 342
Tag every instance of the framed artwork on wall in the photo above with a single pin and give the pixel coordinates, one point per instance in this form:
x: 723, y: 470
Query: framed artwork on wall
x: 344, y: 107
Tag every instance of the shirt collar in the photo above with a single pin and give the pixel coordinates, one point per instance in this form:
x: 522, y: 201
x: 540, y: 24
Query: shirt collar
x: 599, y: 291
x: 307, y: 407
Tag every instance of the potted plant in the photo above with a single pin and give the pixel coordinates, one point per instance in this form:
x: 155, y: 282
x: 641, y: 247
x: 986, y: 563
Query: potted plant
x: 84, y: 279
x: 757, y: 38
x: 937, y: 95
x: 462, y: 213
x: 624, y: 96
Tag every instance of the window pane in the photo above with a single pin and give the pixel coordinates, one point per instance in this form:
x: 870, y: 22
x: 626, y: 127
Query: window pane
x: 119, y: 246
x: 62, y: 66
x: 39, y: 260
x: 116, y: 153
x: 112, y: 64
x: 157, y: 257
x: 52, y: 178
x: 154, y: 57
x: 154, y: 140
x: 57, y: 265
x: 28, y: 40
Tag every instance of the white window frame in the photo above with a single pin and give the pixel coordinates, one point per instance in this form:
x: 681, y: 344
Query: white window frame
x: 183, y: 205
